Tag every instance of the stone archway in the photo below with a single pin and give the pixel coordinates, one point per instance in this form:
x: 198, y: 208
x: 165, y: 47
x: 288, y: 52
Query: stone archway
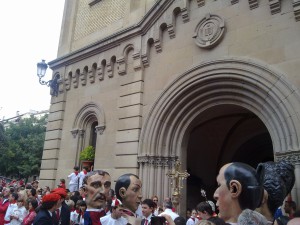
x: 223, y: 134
x: 230, y: 81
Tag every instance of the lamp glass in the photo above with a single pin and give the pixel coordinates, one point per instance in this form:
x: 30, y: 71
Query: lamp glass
x: 41, y: 68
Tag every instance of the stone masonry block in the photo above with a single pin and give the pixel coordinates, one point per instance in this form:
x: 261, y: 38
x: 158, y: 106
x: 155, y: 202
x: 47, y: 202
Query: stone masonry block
x: 53, y: 134
x: 127, y: 148
x: 57, y: 107
x: 50, y: 154
x: 131, y: 88
x: 56, y: 116
x: 130, y: 111
x: 128, y: 100
x: 131, y: 78
x: 54, y: 125
x: 129, y: 161
x: 128, y: 135
x: 47, y: 174
x: 51, y: 144
x: 129, y: 123
x: 49, y: 164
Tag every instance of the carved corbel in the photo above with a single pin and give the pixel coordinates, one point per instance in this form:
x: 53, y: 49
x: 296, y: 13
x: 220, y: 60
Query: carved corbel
x: 121, y: 66
x: 296, y: 6
x: 67, y: 84
x: 185, y: 10
x: 109, y: 70
x: 145, y: 60
x: 275, y: 6
x: 137, y: 63
x: 157, y: 45
x: 75, y: 80
x: 201, y: 3
x: 91, y: 76
x: 234, y: 2
x: 60, y: 85
x: 100, y: 129
x: 100, y: 73
x: 253, y: 4
x: 74, y: 132
x: 83, y: 78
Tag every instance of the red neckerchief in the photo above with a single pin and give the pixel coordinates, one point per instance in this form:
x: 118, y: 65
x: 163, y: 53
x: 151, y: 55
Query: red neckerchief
x: 85, y: 172
x: 76, y: 173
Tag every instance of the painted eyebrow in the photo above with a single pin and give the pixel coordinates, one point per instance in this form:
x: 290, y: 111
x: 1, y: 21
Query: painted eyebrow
x: 96, y: 182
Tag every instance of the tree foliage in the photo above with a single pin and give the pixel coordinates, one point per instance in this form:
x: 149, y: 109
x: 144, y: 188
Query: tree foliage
x: 22, y: 148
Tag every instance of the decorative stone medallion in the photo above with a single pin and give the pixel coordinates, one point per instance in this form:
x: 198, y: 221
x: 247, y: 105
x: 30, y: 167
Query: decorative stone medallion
x: 209, y: 31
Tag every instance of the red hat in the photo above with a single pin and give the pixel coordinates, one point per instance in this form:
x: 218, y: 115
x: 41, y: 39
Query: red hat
x: 116, y: 202
x: 52, y: 197
x: 60, y: 191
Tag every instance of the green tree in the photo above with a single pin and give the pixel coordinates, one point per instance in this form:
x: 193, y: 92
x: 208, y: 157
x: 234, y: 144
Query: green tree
x: 22, y: 154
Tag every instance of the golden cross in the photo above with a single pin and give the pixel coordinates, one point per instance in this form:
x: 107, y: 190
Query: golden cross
x: 177, y: 177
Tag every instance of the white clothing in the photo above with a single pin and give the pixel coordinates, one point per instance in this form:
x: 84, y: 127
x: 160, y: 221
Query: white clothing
x: 192, y: 221
x: 9, y: 211
x: 20, y: 213
x: 170, y: 213
x: 76, y: 218
x: 81, y: 177
x: 108, y: 220
x: 73, y: 184
x: 138, y: 212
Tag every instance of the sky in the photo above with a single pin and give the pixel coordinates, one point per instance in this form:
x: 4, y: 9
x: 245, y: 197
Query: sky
x: 30, y: 32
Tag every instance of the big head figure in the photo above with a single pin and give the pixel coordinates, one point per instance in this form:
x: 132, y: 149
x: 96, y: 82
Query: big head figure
x: 96, y: 185
x: 239, y: 187
x: 129, y: 190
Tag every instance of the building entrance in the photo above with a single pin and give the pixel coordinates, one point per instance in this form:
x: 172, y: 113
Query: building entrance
x: 224, y: 133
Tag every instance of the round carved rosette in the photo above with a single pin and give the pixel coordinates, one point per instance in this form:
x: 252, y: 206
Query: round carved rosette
x: 209, y: 31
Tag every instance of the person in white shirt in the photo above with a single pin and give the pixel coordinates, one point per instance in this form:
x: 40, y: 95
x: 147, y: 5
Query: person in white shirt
x: 18, y: 213
x: 115, y: 217
x: 82, y: 174
x: 168, y: 209
x: 13, y: 197
x: 193, y: 219
x: 74, y: 179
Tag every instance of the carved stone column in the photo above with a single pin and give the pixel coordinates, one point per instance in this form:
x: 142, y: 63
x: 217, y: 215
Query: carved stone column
x: 296, y: 189
x: 153, y: 171
x: 293, y: 157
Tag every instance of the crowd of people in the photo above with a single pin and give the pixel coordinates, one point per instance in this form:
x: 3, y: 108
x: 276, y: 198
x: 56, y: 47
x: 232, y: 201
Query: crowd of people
x: 244, y: 196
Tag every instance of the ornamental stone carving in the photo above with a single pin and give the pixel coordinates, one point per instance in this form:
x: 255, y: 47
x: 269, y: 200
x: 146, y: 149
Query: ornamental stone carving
x: 100, y: 129
x: 209, y: 31
x: 291, y: 156
x: 158, y: 161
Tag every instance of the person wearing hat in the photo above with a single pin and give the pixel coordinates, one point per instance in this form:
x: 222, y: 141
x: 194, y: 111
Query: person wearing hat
x: 62, y: 213
x: 115, y: 217
x: 45, y: 214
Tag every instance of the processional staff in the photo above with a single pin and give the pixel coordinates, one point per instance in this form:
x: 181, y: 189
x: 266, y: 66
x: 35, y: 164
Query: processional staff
x: 177, y: 178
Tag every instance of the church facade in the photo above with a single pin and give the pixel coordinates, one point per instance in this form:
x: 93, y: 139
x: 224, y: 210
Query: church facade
x: 148, y: 82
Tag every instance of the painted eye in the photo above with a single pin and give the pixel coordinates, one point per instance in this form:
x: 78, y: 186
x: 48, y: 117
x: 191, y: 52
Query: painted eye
x: 97, y: 185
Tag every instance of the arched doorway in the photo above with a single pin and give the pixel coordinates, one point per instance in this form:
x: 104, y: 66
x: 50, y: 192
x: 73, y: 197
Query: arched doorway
x: 222, y: 134
x: 245, y: 84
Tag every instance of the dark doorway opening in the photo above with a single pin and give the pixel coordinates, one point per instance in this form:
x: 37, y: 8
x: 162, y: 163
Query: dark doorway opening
x: 223, y: 134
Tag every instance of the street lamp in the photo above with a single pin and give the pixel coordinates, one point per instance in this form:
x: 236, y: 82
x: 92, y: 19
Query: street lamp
x: 53, y: 84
